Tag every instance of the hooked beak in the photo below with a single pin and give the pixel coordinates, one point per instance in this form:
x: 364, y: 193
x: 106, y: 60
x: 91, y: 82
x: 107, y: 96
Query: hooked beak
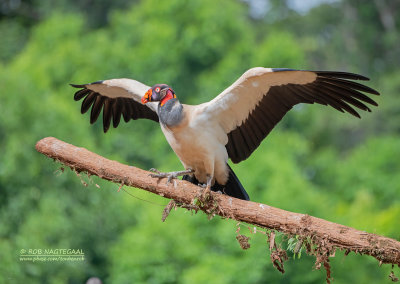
x: 147, y: 97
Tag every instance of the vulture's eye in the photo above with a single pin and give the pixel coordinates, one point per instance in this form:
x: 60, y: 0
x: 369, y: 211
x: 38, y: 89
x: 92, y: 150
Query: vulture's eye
x: 158, y: 89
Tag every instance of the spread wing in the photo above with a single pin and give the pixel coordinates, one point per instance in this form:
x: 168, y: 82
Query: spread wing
x: 251, y: 107
x: 115, y: 97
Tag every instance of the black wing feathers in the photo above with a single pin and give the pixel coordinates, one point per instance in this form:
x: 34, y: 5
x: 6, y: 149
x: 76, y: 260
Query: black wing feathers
x: 88, y: 101
x: 343, y: 75
x: 107, y: 114
x: 80, y: 94
x: 116, y: 110
x: 96, y: 109
x: 112, y: 108
x: 330, y: 88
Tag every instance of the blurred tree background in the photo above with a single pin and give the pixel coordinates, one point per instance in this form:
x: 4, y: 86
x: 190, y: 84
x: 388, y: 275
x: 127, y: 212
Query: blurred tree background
x: 318, y: 161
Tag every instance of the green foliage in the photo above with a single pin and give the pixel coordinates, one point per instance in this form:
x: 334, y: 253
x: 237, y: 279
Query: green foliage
x: 317, y: 161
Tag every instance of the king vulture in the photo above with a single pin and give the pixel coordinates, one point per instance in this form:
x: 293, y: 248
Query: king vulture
x: 232, y: 125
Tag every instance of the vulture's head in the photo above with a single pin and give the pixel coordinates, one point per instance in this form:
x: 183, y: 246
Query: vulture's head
x: 159, y: 93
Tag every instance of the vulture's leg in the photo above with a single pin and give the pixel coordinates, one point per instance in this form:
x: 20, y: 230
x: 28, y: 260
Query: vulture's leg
x: 170, y: 175
x: 207, y: 191
x: 209, y: 180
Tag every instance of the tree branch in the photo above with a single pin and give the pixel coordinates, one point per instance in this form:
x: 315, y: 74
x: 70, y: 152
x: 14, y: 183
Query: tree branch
x: 327, y: 236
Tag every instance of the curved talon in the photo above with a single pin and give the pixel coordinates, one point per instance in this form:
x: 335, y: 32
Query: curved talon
x: 171, y: 177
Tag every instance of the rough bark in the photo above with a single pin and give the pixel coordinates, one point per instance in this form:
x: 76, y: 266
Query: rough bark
x: 326, y: 236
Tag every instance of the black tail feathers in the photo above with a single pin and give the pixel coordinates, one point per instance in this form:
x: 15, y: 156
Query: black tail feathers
x: 232, y: 188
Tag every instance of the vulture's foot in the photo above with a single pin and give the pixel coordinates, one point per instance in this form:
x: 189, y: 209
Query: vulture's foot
x: 170, y: 175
